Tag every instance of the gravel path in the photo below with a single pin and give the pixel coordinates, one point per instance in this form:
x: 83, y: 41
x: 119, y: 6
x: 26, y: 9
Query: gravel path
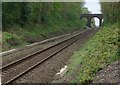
x: 110, y: 74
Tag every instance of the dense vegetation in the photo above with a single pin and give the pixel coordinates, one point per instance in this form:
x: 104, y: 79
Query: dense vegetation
x: 101, y: 50
x: 27, y: 22
x: 41, y: 13
x: 111, y: 12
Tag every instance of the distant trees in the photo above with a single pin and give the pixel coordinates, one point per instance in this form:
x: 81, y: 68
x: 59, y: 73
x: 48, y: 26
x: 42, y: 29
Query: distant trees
x: 46, y: 13
x: 111, y: 11
x: 10, y: 14
x: 85, y: 10
x: 24, y: 13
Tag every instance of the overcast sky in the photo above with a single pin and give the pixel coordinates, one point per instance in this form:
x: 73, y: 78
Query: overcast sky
x: 94, y: 7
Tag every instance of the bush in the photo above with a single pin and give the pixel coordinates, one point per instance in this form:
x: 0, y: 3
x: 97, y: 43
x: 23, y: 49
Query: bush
x: 10, y: 40
x: 97, y: 53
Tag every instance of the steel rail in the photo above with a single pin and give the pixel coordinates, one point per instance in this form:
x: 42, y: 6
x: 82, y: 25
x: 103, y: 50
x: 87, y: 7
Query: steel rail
x: 38, y: 63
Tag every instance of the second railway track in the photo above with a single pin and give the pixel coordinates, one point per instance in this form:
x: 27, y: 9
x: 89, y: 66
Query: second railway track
x: 14, y: 70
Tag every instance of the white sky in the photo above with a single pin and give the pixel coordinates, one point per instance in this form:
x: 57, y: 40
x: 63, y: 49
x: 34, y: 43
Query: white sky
x: 94, y: 7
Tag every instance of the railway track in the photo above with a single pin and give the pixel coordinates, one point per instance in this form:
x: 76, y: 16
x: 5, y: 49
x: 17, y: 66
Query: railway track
x: 16, y: 69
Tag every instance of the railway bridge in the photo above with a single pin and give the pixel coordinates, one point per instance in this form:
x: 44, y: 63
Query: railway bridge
x: 90, y: 16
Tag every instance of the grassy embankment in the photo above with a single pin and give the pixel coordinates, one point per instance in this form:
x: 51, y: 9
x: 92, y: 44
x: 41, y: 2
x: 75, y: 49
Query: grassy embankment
x: 100, y: 51
x: 17, y: 36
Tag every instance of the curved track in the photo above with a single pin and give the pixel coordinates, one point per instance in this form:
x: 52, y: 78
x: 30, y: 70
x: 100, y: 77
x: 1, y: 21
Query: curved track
x: 14, y: 70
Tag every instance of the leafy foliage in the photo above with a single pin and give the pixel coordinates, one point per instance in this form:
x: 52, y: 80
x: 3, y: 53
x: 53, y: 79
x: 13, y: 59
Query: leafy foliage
x: 45, y: 13
x: 97, y: 53
x: 111, y: 12
x: 10, y: 40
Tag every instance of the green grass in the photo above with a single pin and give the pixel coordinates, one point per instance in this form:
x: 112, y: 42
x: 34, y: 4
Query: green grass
x: 100, y: 51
